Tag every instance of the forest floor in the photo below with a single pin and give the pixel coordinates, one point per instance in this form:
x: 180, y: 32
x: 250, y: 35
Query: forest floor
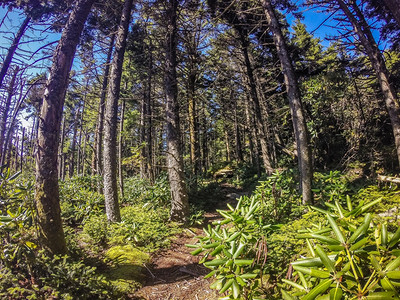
x: 174, y: 274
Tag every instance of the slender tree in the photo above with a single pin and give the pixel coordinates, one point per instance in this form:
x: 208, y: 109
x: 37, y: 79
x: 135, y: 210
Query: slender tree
x: 361, y: 28
x: 179, y: 202
x: 111, y: 114
x: 292, y: 89
x: 47, y: 190
x: 12, y: 49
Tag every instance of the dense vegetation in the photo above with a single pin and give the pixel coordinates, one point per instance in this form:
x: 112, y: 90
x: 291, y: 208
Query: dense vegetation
x: 120, y: 122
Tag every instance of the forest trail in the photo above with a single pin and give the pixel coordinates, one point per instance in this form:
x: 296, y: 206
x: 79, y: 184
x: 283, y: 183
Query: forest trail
x: 174, y: 273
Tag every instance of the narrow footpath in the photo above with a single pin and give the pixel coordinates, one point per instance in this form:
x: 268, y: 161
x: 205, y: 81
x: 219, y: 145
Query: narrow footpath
x: 174, y: 274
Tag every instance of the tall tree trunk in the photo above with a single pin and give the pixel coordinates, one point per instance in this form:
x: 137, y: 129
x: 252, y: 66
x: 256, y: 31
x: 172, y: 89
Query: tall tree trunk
x: 22, y: 149
x: 143, y: 131
x: 79, y: 160
x: 11, y: 50
x: 47, y: 190
x: 238, y: 143
x: 298, y: 118
x: 4, y: 115
x: 111, y: 113
x: 100, y: 118
x: 120, y: 144
x: 73, y: 147
x: 149, y: 129
x: 254, y: 145
x: 61, y: 149
x: 179, y: 202
x: 193, y: 122
x: 257, y: 109
x: 361, y: 28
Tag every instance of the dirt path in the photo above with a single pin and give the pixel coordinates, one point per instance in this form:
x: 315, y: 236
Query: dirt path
x: 174, y: 273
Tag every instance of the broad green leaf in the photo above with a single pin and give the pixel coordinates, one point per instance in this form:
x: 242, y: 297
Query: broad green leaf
x: 215, y: 262
x: 395, y: 238
x: 227, y: 285
x: 294, y: 284
x: 380, y: 295
x: 243, y: 262
x: 335, y: 294
x: 393, y: 264
x: 362, y: 229
x: 325, y: 259
x: 336, y: 229
x: 318, y: 290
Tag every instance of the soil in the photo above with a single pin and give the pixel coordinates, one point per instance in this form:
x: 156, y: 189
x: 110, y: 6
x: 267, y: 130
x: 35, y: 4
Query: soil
x: 174, y: 274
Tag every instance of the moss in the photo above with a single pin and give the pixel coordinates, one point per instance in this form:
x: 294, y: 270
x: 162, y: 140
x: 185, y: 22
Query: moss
x: 128, y: 272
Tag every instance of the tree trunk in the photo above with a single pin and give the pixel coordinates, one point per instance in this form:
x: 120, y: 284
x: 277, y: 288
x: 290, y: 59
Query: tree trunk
x: 254, y: 145
x: 179, y: 202
x: 11, y: 50
x: 47, y: 190
x: 257, y: 109
x: 100, y: 119
x: 361, y: 28
x: 22, y: 149
x: 4, y: 115
x: 120, y: 144
x: 110, y: 130
x: 298, y: 118
x: 193, y: 123
x: 73, y: 147
x: 61, y: 150
x: 149, y: 129
x: 239, y: 153
x: 143, y: 147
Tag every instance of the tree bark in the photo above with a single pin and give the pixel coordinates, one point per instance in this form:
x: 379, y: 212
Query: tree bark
x: 47, y: 190
x: 179, y: 201
x: 4, y: 115
x: 257, y: 109
x: 100, y: 118
x: 11, y: 50
x: 111, y: 112
x: 362, y: 30
x: 120, y: 144
x: 298, y: 118
x: 61, y: 150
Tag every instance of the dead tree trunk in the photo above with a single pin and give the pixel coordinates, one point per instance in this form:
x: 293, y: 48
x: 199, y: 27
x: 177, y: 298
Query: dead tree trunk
x: 47, y: 190
x: 11, y: 50
x: 367, y: 40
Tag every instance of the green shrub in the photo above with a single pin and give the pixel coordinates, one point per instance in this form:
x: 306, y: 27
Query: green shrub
x: 141, y: 191
x: 97, y: 227
x: 79, y: 200
x: 54, y: 277
x: 354, y: 258
x: 145, y: 228
x: 237, y: 246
